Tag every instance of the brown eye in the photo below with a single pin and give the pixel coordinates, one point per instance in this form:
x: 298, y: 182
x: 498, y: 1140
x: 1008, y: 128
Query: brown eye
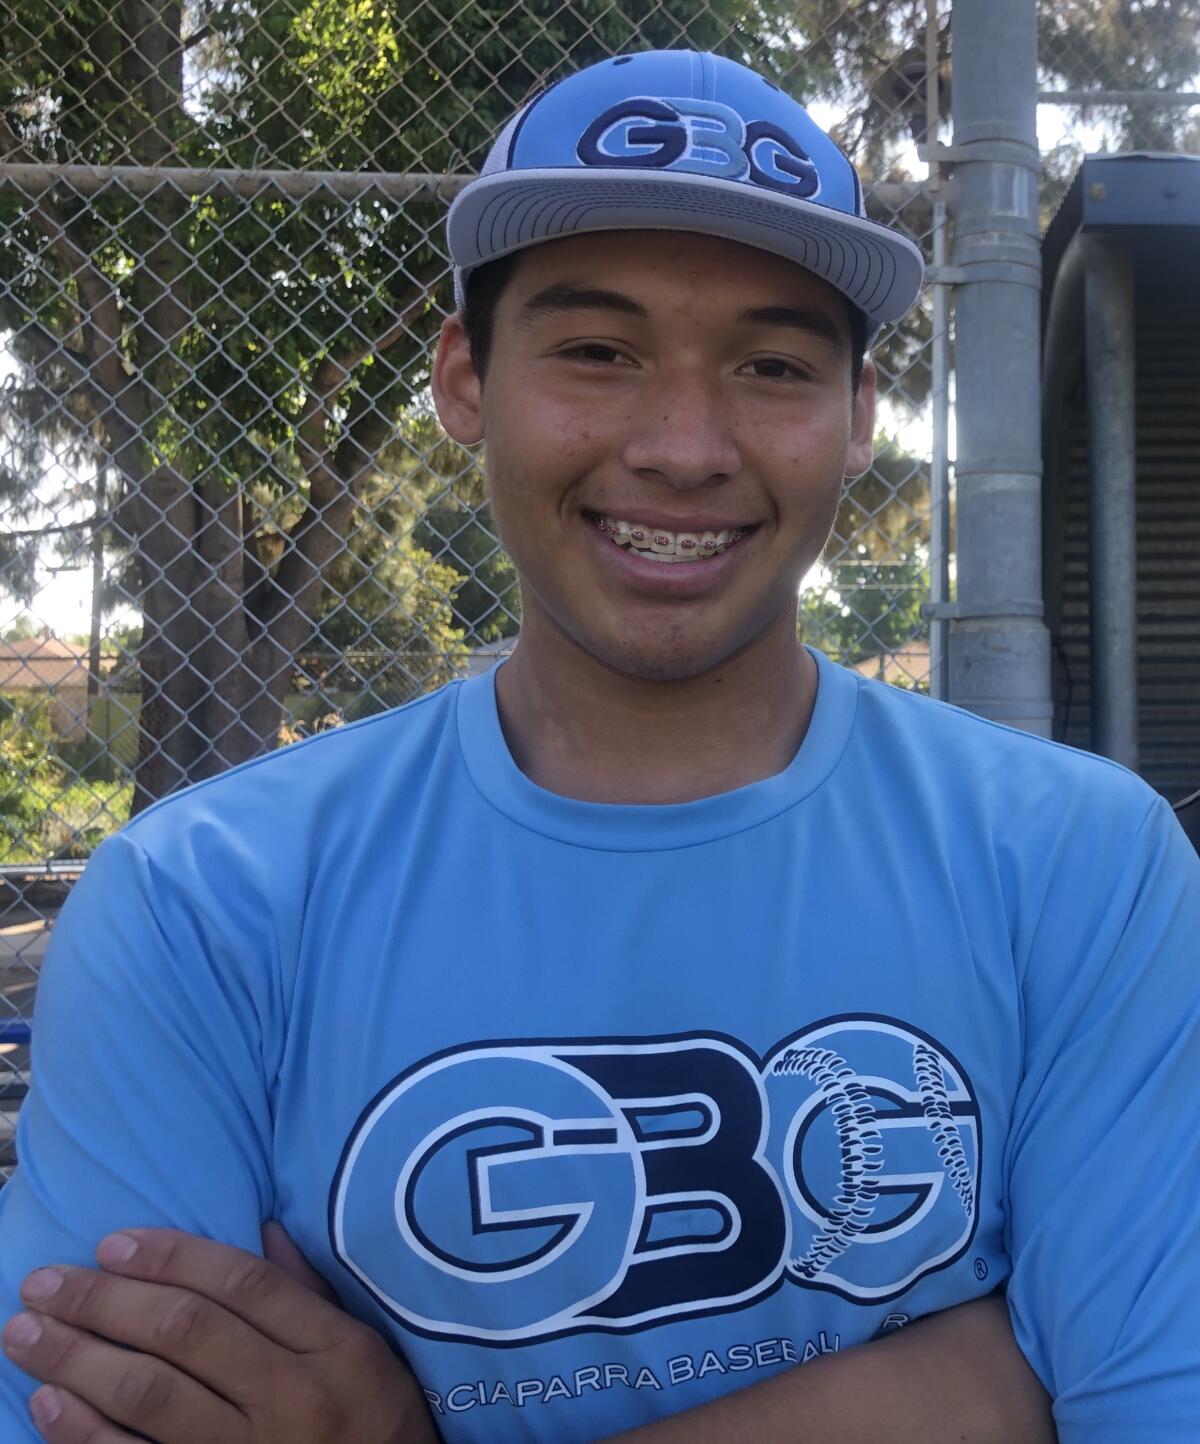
x: 773, y: 368
x: 594, y: 351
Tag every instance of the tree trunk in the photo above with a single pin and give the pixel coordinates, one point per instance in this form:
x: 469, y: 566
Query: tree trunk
x: 172, y: 632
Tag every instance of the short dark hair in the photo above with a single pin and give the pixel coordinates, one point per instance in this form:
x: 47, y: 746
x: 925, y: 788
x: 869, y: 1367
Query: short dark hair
x: 483, y: 289
x: 486, y: 283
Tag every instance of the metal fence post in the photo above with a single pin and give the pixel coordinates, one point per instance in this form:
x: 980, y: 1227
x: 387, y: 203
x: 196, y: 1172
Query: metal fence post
x: 940, y: 544
x: 1112, y: 452
x: 999, y: 645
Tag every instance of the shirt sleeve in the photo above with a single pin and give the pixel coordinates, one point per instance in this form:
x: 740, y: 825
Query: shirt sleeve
x: 149, y: 1104
x: 1104, y: 1150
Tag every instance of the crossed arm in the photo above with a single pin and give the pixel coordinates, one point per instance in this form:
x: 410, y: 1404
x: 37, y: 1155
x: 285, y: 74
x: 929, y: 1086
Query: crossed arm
x: 185, y: 1341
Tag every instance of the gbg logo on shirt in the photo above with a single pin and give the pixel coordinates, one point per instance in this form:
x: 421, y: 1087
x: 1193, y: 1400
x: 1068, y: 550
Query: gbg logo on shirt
x: 510, y: 1192
x: 702, y: 137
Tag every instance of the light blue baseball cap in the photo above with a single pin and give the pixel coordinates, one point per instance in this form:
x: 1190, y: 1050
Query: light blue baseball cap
x: 682, y: 141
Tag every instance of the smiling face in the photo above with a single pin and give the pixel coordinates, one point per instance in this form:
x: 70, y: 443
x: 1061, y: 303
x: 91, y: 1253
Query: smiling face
x: 669, y: 419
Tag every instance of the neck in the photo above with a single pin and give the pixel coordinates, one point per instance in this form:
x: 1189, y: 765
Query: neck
x: 579, y: 729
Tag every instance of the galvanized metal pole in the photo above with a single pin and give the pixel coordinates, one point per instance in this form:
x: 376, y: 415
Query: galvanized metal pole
x: 939, y: 455
x: 999, y: 645
x: 939, y: 472
x: 1112, y: 453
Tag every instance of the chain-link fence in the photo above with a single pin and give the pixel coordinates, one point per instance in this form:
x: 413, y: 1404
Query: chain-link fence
x: 1118, y: 76
x: 229, y: 516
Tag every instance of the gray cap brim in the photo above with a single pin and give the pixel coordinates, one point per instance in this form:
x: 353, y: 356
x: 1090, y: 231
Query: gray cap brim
x: 876, y: 268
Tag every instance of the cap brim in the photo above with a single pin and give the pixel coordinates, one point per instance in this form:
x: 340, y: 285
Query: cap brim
x: 876, y: 268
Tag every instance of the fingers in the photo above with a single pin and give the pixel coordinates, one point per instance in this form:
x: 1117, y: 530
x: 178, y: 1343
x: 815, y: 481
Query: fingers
x: 142, y: 1394
x: 248, y: 1286
x: 279, y: 1249
x: 181, y: 1328
x: 61, y: 1418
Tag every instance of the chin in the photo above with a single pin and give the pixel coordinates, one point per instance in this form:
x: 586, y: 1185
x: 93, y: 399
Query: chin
x: 662, y: 660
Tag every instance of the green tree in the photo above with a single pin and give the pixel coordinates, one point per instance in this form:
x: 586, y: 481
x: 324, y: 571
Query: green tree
x: 45, y: 811
x: 876, y: 562
x: 421, y: 556
x: 869, y: 609
x: 455, y: 524
x: 236, y: 365
x: 234, y: 359
x: 386, y: 631
x: 487, y: 604
x: 1130, y: 46
x: 22, y: 629
x: 27, y: 763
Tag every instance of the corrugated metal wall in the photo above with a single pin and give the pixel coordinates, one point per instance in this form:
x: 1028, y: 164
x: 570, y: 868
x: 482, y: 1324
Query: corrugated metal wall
x: 1168, y: 425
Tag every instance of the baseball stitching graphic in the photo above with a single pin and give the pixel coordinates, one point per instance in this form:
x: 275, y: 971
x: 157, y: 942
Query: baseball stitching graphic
x: 861, y: 1147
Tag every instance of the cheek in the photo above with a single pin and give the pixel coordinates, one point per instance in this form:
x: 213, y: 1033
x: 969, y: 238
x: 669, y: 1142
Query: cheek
x: 538, y: 452
x: 826, y: 439
x: 532, y: 473
x: 522, y: 399
x: 808, y: 473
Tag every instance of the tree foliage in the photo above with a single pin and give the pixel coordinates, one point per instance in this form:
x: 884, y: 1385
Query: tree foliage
x: 865, y: 600
x: 1126, y: 45
x: 387, y: 627
x: 239, y: 363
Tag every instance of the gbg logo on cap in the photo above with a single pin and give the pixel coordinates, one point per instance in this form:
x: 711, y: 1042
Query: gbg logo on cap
x: 683, y: 141
x: 702, y: 137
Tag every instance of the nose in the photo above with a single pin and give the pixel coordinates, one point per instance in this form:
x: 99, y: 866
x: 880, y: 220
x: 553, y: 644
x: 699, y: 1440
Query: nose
x: 680, y: 432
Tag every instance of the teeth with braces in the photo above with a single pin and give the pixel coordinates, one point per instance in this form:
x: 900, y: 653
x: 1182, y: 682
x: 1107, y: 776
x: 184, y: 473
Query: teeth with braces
x: 664, y: 546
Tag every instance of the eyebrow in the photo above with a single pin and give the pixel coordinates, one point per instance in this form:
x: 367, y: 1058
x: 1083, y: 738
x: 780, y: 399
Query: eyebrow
x: 797, y: 318
x: 567, y: 297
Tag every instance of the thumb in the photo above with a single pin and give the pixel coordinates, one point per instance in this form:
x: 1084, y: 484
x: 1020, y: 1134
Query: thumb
x: 279, y: 1250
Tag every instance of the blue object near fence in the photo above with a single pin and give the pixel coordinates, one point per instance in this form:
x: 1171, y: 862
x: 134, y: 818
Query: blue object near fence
x: 16, y: 1030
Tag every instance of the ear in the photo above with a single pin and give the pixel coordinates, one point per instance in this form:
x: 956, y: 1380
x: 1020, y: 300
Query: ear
x: 457, y: 393
x: 862, y: 423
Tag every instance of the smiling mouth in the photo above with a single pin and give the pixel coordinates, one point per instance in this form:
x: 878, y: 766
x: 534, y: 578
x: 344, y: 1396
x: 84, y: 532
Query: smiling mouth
x: 658, y: 544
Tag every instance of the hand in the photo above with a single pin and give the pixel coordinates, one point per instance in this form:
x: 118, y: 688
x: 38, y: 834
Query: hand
x: 218, y: 1344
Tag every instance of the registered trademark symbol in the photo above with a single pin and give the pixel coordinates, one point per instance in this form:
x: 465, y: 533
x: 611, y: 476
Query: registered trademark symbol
x: 981, y: 1269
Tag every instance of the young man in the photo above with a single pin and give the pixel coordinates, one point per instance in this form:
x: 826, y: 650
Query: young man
x: 670, y: 1008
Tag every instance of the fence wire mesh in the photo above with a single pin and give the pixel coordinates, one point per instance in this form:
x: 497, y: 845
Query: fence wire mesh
x: 229, y: 517
x: 1132, y: 70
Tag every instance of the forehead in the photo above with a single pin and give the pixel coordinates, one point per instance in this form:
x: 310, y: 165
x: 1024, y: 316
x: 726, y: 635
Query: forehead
x: 669, y: 270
